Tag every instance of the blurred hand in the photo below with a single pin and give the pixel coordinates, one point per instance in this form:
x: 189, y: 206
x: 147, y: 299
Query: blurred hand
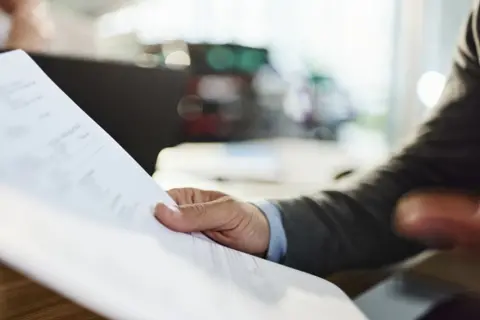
x: 13, y: 6
x: 440, y: 219
x: 235, y: 224
x: 31, y: 26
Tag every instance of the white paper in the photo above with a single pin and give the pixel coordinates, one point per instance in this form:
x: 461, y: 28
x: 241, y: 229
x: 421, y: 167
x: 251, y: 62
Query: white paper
x: 76, y: 214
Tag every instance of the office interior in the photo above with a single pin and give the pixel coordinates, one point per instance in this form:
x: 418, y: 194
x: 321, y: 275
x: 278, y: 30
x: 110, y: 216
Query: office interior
x: 257, y: 98
x: 346, y: 82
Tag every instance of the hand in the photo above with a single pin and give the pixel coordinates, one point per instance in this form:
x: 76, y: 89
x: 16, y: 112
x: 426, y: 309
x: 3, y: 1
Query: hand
x: 440, y: 219
x: 235, y: 224
x: 31, y: 27
x: 12, y: 6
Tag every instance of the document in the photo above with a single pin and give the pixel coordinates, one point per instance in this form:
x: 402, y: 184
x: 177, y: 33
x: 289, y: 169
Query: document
x: 76, y: 214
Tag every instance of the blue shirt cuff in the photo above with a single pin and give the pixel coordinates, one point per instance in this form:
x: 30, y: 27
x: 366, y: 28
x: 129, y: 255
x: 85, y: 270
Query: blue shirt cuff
x: 278, y: 240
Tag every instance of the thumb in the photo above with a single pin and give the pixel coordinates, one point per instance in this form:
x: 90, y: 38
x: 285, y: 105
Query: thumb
x: 197, y: 217
x: 440, y: 220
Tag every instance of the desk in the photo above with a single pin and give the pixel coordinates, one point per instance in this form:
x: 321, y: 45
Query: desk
x: 22, y: 299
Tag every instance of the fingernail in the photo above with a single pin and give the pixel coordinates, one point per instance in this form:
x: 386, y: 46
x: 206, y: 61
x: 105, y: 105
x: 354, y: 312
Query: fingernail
x: 173, y: 208
x: 164, y: 207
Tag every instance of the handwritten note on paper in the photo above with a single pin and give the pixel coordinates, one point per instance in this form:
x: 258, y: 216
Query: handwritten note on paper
x: 76, y: 214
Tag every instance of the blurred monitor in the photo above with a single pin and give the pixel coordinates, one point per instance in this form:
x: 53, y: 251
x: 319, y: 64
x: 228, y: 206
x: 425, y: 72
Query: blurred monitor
x: 136, y: 106
x: 226, y: 59
x: 218, y: 108
x: 222, y: 84
x: 220, y: 102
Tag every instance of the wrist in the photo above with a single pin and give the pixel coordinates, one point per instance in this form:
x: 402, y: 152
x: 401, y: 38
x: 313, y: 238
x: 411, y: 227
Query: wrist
x: 260, y: 237
x: 277, y: 241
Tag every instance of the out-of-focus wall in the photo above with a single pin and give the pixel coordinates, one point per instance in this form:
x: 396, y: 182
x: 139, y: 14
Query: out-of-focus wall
x: 426, y: 32
x: 75, y: 34
x: 452, y: 17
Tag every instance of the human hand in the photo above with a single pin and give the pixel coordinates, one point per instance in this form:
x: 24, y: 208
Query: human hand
x: 233, y: 223
x: 13, y: 6
x: 440, y: 219
x: 31, y: 26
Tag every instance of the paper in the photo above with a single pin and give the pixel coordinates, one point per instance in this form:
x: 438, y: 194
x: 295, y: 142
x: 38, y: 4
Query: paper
x: 76, y: 214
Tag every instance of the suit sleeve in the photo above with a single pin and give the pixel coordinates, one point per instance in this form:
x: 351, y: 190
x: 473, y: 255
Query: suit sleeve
x: 352, y: 228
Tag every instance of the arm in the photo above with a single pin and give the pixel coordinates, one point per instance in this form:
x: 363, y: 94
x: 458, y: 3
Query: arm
x: 336, y: 230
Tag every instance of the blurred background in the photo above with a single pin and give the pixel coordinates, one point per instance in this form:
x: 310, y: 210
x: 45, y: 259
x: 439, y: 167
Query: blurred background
x: 278, y: 97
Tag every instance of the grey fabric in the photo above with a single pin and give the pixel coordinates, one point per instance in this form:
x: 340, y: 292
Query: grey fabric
x: 352, y: 228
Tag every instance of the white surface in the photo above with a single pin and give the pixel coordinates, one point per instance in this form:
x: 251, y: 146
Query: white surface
x: 282, y: 160
x: 244, y: 190
x: 4, y: 28
x: 213, y: 160
x: 71, y: 221
x: 256, y: 170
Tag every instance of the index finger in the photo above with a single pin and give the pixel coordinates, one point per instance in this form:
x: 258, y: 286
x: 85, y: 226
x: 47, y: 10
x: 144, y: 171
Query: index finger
x: 184, y: 196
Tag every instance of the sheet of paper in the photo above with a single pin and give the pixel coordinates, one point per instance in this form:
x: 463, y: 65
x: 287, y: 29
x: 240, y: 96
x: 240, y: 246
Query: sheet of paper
x: 76, y: 215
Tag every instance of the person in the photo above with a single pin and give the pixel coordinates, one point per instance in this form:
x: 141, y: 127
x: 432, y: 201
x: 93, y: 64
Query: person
x: 426, y: 195
x: 25, y: 25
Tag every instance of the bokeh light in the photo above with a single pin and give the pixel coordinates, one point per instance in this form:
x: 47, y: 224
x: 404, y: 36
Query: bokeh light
x: 430, y: 88
x: 221, y: 58
x: 177, y: 59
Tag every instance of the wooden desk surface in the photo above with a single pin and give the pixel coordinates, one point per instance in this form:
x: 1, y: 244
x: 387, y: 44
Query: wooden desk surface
x: 22, y: 299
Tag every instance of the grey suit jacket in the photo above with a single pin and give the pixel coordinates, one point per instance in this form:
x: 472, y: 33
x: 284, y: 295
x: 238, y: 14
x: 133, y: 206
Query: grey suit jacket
x: 337, y: 230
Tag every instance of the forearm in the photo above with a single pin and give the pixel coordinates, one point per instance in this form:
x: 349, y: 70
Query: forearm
x: 342, y: 229
x: 345, y: 229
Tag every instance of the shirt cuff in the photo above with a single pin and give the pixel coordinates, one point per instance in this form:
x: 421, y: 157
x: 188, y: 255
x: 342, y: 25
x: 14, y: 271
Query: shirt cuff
x: 278, y: 240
